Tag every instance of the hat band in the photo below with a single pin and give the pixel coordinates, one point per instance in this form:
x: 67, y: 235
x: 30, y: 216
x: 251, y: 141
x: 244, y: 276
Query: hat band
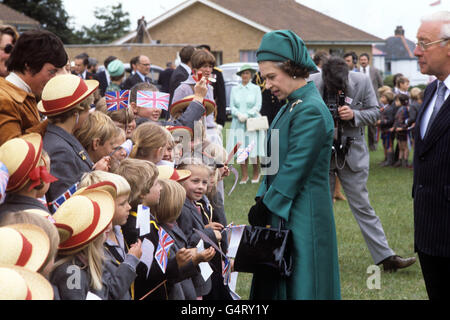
x: 29, y: 295
x: 24, y: 168
x: 175, y: 176
x: 25, y: 254
x: 56, y: 104
x: 84, y: 235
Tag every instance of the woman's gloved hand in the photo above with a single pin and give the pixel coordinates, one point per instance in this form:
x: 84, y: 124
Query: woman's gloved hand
x: 259, y: 214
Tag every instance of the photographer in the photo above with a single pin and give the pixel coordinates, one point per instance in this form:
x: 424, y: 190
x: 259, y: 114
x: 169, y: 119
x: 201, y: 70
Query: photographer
x: 353, y: 103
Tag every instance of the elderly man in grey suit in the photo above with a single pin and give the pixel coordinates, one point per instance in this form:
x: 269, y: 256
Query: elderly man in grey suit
x: 377, y: 81
x: 350, y: 159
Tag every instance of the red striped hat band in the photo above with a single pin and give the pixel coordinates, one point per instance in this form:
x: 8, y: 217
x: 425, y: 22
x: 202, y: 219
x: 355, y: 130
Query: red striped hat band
x: 56, y: 104
x: 175, y: 176
x: 25, y: 254
x: 84, y: 235
x: 24, y: 168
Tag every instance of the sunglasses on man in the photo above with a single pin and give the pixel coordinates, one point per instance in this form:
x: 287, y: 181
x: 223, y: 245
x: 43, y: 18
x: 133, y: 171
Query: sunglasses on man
x: 8, y: 48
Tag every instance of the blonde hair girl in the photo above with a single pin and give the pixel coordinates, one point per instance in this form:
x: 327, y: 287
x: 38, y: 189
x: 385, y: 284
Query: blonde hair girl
x: 149, y: 142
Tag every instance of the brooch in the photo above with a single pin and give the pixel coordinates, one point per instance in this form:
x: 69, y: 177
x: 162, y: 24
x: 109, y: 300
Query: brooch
x: 82, y: 155
x: 294, y: 104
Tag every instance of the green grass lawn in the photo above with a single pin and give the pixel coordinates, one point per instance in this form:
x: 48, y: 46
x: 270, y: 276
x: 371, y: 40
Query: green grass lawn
x: 390, y: 196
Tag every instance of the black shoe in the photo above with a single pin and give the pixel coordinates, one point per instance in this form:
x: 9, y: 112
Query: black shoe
x: 393, y: 263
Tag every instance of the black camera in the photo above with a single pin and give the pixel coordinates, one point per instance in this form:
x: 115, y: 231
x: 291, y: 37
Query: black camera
x: 333, y: 107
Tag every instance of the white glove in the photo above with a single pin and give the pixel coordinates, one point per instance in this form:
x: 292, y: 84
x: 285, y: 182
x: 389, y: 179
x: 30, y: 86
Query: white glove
x: 242, y: 117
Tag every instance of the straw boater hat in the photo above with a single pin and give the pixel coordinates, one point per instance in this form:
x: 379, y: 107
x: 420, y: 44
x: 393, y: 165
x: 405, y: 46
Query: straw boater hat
x: 169, y: 172
x: 63, y: 92
x: 88, y: 213
x: 18, y: 283
x: 20, y: 156
x: 25, y: 245
x: 177, y: 131
x: 181, y: 105
x: 64, y: 230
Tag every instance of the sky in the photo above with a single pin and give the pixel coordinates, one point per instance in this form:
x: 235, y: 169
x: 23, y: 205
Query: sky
x: 377, y: 17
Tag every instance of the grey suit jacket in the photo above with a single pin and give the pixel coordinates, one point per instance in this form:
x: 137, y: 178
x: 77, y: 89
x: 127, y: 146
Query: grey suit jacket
x: 366, y: 112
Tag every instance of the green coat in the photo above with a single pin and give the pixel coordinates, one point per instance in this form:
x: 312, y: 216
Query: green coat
x: 300, y: 194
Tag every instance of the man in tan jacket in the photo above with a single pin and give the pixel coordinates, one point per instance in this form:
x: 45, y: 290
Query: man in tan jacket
x: 37, y: 57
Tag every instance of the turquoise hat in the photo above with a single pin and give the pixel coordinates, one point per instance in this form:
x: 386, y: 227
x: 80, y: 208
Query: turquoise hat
x: 244, y: 68
x: 116, y: 68
x: 282, y: 45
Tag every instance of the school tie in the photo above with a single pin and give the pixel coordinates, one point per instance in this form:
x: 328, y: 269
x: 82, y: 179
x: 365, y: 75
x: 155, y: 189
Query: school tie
x: 437, y: 106
x: 364, y: 70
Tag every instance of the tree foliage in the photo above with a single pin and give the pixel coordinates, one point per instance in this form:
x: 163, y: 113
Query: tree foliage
x: 51, y: 15
x: 114, y: 23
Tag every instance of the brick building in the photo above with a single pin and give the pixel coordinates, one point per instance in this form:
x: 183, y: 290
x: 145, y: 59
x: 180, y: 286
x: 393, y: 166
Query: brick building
x: 234, y: 28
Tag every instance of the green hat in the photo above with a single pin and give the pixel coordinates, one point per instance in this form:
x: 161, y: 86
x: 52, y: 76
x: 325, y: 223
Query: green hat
x: 245, y: 67
x: 282, y: 45
x: 116, y: 68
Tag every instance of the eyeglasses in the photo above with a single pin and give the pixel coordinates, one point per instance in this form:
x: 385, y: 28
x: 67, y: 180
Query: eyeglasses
x: 8, y: 48
x: 424, y: 46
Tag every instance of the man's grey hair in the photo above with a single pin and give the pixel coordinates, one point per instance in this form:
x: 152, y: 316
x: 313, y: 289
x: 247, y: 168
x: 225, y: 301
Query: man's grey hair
x: 440, y: 16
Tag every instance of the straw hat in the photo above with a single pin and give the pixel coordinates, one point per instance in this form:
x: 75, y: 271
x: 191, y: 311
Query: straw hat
x: 18, y: 283
x: 20, y: 156
x: 107, y: 186
x: 25, y: 245
x: 177, y: 131
x: 169, y: 172
x: 88, y: 215
x: 181, y: 105
x: 63, y: 92
x: 64, y: 231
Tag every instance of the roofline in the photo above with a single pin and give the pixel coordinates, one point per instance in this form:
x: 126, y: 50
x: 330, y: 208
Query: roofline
x: 348, y: 43
x: 187, y: 4
x: 129, y: 45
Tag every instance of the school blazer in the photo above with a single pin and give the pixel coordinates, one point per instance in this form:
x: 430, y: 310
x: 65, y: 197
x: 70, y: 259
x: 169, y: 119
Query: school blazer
x: 69, y: 160
x: 191, y: 282
x: 431, y: 184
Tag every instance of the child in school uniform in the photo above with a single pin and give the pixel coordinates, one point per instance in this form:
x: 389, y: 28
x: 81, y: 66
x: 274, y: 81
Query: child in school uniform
x: 142, y: 177
x: 81, y: 256
x: 40, y: 220
x: 197, y: 213
x: 400, y: 128
x: 66, y: 101
x: 118, y: 253
x: 386, y: 121
x: 28, y: 166
x: 166, y: 213
x: 149, y: 142
x: 98, y: 135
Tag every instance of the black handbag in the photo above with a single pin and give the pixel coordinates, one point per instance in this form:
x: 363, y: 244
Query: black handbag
x: 265, y: 249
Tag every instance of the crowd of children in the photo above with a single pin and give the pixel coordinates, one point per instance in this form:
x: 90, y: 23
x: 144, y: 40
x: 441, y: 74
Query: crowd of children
x: 399, y: 109
x: 113, y: 204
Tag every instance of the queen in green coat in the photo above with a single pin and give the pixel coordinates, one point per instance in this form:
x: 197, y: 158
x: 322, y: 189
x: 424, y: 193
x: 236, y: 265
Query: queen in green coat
x: 299, y: 191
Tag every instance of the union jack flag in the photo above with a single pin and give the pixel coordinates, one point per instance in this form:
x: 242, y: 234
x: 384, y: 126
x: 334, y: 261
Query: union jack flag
x: 226, y: 271
x: 162, y: 252
x: 55, y: 204
x: 116, y: 100
x: 153, y: 99
x: 4, y: 178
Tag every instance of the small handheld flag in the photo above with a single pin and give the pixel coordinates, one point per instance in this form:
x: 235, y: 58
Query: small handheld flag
x: 4, y: 178
x: 55, y: 204
x: 153, y: 99
x: 116, y: 100
x: 162, y: 252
